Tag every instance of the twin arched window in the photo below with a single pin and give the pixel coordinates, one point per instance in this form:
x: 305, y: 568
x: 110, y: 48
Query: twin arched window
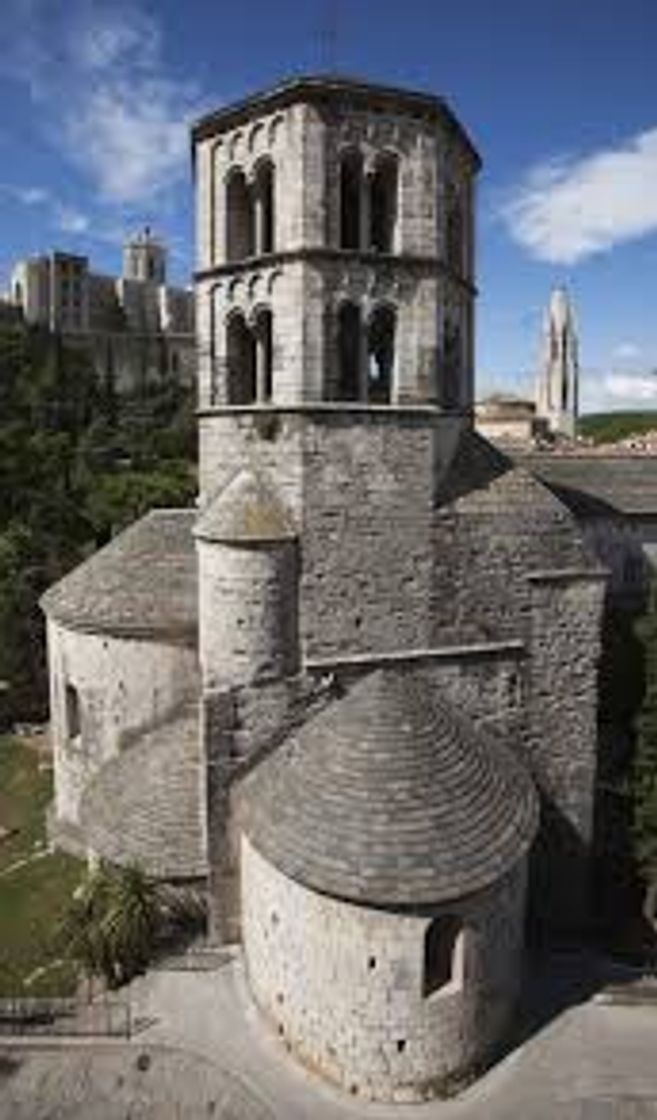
x: 249, y: 358
x: 250, y: 212
x: 368, y: 203
x: 365, y: 354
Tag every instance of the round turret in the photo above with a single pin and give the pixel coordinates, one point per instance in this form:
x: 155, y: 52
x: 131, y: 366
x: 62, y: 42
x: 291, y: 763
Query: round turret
x: 383, y: 884
x: 247, y: 585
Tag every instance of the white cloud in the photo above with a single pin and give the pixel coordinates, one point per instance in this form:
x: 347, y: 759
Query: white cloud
x: 633, y: 387
x: 568, y: 208
x: 62, y: 216
x: 70, y: 220
x: 612, y: 390
x: 100, y: 42
x: 98, y: 75
x: 31, y: 196
x: 627, y: 351
x: 131, y: 137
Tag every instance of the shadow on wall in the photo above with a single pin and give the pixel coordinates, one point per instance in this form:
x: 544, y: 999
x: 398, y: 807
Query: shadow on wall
x: 617, y: 888
x: 559, y: 900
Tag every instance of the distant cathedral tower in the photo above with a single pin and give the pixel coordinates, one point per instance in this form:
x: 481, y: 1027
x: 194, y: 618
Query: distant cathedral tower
x: 144, y: 258
x: 557, y: 388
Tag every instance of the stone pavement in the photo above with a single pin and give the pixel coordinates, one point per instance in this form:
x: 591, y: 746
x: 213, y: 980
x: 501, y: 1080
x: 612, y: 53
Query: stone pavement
x: 214, y: 1057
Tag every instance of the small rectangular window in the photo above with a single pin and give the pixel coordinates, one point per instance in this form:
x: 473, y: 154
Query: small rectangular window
x: 440, y: 953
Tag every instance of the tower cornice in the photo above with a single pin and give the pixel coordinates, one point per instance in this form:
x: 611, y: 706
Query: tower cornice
x: 324, y: 255
x: 324, y: 90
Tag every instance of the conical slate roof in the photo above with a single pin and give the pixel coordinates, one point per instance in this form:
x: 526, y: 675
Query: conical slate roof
x: 385, y: 797
x: 247, y: 510
x: 141, y: 584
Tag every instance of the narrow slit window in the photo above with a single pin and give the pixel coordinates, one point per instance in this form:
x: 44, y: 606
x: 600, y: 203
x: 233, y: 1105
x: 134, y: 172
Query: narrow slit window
x: 440, y: 948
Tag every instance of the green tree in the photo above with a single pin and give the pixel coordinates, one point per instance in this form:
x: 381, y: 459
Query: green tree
x: 77, y: 464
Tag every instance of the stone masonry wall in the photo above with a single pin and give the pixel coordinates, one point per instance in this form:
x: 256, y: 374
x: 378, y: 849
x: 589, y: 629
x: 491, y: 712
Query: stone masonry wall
x: 342, y: 985
x: 123, y: 687
x: 360, y: 485
x: 562, y: 739
x: 247, y: 612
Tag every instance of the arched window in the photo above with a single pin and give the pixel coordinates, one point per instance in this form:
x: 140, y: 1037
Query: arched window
x: 351, y: 179
x: 264, y: 355
x: 73, y: 723
x: 264, y: 204
x: 452, y: 366
x: 381, y: 354
x: 383, y: 205
x: 454, y: 247
x: 440, y: 945
x: 239, y: 217
x: 349, y: 352
x: 241, y: 356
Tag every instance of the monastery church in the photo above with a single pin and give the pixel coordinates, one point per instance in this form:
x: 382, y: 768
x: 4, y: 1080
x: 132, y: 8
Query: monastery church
x: 353, y: 694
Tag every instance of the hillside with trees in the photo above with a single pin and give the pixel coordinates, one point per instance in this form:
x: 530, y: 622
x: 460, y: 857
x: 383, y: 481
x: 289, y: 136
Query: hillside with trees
x: 610, y: 427
x: 77, y: 464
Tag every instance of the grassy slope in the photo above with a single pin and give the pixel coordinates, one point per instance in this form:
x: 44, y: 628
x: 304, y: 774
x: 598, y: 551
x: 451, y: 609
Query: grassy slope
x: 33, y: 897
x: 608, y: 427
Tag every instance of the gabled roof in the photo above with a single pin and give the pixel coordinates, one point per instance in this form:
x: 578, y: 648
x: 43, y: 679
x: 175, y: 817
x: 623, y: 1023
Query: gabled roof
x: 485, y: 487
x: 385, y: 797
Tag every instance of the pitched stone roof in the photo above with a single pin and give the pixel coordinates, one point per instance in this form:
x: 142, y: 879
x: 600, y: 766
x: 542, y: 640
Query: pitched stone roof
x: 144, y: 806
x: 626, y: 483
x: 387, y: 798
x: 245, y: 511
x: 142, y: 584
x: 485, y: 484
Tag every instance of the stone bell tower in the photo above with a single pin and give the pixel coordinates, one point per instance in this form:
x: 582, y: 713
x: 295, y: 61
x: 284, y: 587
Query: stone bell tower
x: 144, y: 258
x: 335, y: 314
x: 557, y: 390
x: 335, y: 249
x: 334, y: 303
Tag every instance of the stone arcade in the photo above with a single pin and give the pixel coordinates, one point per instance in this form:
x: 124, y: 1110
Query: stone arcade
x: 339, y: 692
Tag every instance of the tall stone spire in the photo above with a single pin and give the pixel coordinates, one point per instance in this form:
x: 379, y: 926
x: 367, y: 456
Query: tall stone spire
x: 557, y: 388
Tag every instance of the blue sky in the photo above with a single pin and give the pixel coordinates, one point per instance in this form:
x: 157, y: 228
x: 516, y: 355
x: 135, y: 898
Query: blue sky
x: 560, y: 98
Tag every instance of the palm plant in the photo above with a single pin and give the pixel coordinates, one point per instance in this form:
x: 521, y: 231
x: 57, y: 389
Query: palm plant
x: 111, y: 926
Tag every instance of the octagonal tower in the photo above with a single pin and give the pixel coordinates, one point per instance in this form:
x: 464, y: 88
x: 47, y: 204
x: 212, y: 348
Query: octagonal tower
x: 335, y: 248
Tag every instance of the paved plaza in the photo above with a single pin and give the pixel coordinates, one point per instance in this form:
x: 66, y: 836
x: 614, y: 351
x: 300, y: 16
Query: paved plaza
x: 202, y: 1050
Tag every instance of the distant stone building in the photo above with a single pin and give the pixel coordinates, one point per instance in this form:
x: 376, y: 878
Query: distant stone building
x: 137, y: 328
x: 338, y: 692
x: 508, y: 420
